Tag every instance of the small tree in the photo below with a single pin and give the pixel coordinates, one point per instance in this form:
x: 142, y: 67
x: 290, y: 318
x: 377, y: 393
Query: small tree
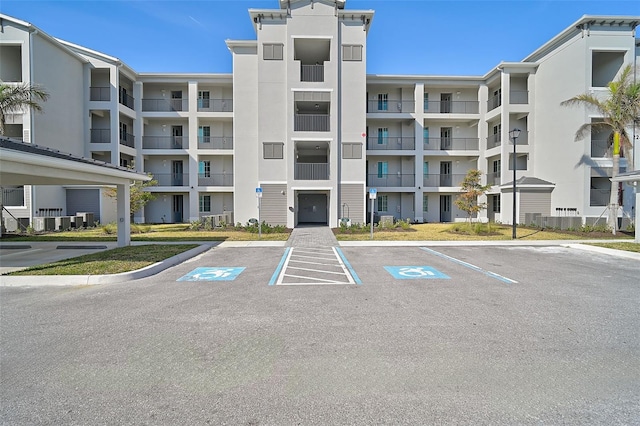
x: 472, y: 189
x: 138, y: 197
x: 15, y: 98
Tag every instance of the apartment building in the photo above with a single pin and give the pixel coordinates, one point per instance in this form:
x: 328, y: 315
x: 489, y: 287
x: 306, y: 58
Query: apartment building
x: 300, y: 119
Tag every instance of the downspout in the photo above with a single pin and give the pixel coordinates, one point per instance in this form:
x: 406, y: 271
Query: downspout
x: 339, y: 122
x: 32, y: 189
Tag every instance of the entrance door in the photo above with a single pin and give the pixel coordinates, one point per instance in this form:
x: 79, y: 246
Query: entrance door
x: 312, y: 208
x: 445, y: 103
x: 176, y: 100
x: 176, y: 132
x: 445, y: 173
x: 177, y: 209
x: 445, y: 208
x: 176, y: 173
x: 445, y: 138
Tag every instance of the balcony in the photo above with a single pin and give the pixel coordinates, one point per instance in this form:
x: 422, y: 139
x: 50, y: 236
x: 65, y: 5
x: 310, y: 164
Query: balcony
x: 451, y: 144
x: 165, y: 142
x: 599, y: 197
x: 311, y: 171
x: 446, y: 180
x: 390, y: 106
x: 215, y: 142
x: 215, y: 105
x: 165, y: 105
x: 494, y: 140
x: 391, y: 143
x: 127, y: 139
x: 215, y: 179
x: 494, y: 102
x: 100, y: 136
x: 600, y: 148
x: 493, y: 178
x: 171, y: 179
x: 311, y: 123
x: 518, y: 97
x: 99, y: 93
x: 313, y: 73
x: 451, y: 107
x: 126, y: 100
x: 391, y: 180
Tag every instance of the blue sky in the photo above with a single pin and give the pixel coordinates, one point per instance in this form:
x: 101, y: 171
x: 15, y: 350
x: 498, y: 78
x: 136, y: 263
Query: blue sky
x: 433, y: 37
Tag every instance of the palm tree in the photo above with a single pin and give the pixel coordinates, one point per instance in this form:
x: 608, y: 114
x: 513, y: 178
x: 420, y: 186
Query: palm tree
x: 14, y: 98
x: 619, y: 110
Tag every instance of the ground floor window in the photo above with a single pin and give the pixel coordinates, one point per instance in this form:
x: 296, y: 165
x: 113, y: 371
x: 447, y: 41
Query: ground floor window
x: 383, y: 203
x: 205, y: 203
x: 425, y: 203
x: 495, y: 203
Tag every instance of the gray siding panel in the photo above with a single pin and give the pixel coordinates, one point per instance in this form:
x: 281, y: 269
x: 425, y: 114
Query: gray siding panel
x: 353, y: 195
x: 534, y: 202
x: 83, y: 200
x: 274, y: 204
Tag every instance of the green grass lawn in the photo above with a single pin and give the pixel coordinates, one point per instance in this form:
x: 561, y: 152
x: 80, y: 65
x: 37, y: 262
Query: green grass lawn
x: 122, y: 259
x: 627, y: 246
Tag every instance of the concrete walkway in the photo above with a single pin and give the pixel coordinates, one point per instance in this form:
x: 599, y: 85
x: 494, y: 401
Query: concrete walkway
x: 312, y: 236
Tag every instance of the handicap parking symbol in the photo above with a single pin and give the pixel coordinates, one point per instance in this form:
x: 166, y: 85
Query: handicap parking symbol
x: 212, y: 274
x: 415, y: 272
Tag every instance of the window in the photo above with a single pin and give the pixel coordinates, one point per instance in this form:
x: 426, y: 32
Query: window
x: 204, y: 134
x: 203, y: 99
x: 383, y: 101
x: 425, y: 135
x: 425, y: 203
x: 382, y: 169
x: 383, y: 135
x: 351, y: 150
x: 13, y: 196
x: 497, y: 129
x: 123, y: 131
x: 205, y: 203
x: 352, y: 52
x: 496, y: 166
x: 425, y: 168
x: 272, y: 51
x: 495, y: 203
x: 273, y: 150
x: 426, y: 102
x: 383, y: 203
x: 204, y: 168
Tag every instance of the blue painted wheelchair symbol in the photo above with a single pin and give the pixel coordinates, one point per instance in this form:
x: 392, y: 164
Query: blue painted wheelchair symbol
x: 212, y: 274
x: 415, y: 272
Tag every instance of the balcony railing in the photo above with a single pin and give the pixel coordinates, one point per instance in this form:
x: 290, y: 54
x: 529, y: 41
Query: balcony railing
x: 215, y: 179
x: 127, y: 139
x: 171, y: 179
x: 215, y: 105
x: 126, y: 100
x: 494, y: 102
x: 600, y: 148
x: 13, y: 196
x: 390, y: 106
x: 215, y: 142
x: 165, y: 105
x: 391, y: 142
x: 391, y: 180
x: 447, y: 180
x: 451, y: 107
x: 312, y: 73
x: 600, y: 197
x: 165, y: 142
x: 100, y: 136
x: 311, y: 123
x: 493, y: 178
x: 451, y: 144
x: 311, y: 171
x: 518, y: 97
x: 99, y: 93
x: 494, y: 140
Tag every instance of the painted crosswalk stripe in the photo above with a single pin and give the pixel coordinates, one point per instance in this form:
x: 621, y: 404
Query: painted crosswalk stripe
x: 308, y: 266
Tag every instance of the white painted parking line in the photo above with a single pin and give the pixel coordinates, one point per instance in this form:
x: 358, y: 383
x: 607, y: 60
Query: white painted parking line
x: 470, y: 266
x: 305, y: 266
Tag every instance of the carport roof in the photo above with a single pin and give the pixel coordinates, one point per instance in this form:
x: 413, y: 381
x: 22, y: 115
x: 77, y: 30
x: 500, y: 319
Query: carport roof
x: 633, y: 176
x: 28, y: 164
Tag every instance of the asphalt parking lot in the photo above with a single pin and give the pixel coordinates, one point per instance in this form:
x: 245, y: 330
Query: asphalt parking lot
x: 464, y: 335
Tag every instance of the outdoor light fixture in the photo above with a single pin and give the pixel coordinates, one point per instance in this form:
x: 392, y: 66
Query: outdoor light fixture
x: 514, y: 136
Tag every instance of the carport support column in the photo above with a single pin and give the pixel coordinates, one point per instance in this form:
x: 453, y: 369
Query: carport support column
x: 124, y: 215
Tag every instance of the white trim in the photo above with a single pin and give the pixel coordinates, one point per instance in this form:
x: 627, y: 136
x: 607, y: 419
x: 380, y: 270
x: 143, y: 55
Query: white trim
x: 315, y: 37
x: 311, y: 188
x: 312, y: 140
x: 293, y: 89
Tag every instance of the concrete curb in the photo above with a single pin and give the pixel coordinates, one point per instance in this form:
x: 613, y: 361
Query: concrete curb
x: 72, y: 280
x: 374, y: 243
x: 604, y: 250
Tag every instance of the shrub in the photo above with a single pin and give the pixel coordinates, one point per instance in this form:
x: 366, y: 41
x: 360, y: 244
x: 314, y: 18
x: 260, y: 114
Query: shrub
x: 108, y: 228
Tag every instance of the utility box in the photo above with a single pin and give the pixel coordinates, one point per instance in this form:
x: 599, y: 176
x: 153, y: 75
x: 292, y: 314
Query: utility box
x: 386, y: 221
x: 63, y: 223
x: 76, y: 222
x: 16, y: 224
x: 345, y: 221
x: 87, y: 219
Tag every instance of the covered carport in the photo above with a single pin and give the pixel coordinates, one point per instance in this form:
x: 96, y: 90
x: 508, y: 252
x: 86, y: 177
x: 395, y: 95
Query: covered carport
x: 633, y: 179
x: 27, y: 164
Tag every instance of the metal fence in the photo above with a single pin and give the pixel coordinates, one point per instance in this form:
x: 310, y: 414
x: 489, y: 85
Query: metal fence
x: 165, y: 105
x: 100, y: 136
x: 99, y: 93
x: 391, y: 142
x: 519, y: 97
x: 215, y: 142
x: 311, y: 123
x: 599, y: 197
x: 171, y: 179
x: 390, y: 106
x: 451, y: 107
x: 165, y: 142
x: 311, y: 171
x: 127, y: 139
x: 126, y: 100
x: 13, y: 196
x: 391, y: 180
x: 215, y: 105
x: 448, y: 180
x: 312, y: 73
x: 215, y: 179
x: 444, y: 144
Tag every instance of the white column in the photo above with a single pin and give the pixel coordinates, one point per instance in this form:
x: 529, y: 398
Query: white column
x: 638, y: 212
x: 123, y: 214
x: 418, y: 134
